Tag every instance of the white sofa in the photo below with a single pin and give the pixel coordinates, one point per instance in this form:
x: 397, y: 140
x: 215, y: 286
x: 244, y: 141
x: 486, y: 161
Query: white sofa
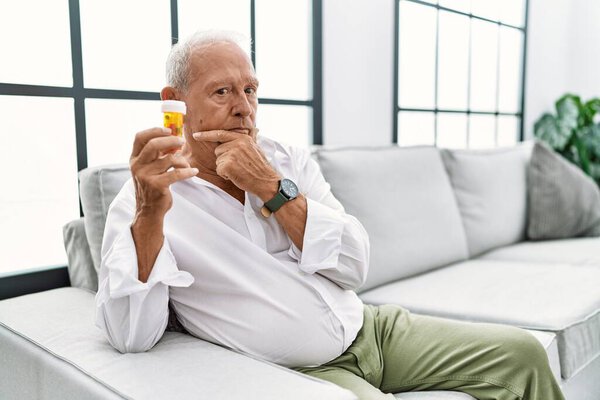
x: 447, y: 231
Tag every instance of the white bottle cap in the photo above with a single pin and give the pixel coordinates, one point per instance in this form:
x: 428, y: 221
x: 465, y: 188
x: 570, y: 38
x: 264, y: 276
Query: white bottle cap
x: 173, y: 106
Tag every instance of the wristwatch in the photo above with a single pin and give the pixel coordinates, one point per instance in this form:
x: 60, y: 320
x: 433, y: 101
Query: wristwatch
x: 287, y: 191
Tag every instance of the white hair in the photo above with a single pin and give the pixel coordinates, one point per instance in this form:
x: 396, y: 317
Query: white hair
x: 178, y: 61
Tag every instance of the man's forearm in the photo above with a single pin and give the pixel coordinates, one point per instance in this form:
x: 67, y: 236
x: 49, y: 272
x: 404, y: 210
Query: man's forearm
x: 147, y: 232
x: 292, y: 217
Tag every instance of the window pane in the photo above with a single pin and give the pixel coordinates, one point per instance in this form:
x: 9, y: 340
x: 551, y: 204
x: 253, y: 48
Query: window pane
x: 122, y: 50
x: 487, y: 8
x: 40, y: 195
x: 452, y: 130
x: 511, y: 50
x: 415, y: 128
x: 231, y: 15
x: 416, y: 75
x: 274, y: 121
x: 453, y: 70
x: 484, y: 39
x: 512, y: 12
x: 459, y: 5
x: 508, y: 130
x: 111, y: 126
x: 481, y: 131
x: 36, y: 45
x: 284, y: 48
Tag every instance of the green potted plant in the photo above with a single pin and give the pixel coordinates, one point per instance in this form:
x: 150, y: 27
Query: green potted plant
x: 574, y: 132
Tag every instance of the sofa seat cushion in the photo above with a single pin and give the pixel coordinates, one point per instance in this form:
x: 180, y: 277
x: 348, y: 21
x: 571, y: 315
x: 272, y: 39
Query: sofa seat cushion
x: 400, y: 195
x: 52, y: 330
x: 580, y: 251
x: 57, y: 342
x: 558, y: 298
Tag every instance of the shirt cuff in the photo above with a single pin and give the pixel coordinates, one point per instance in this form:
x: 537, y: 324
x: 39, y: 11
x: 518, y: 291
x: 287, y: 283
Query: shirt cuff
x: 122, y: 266
x: 322, y: 239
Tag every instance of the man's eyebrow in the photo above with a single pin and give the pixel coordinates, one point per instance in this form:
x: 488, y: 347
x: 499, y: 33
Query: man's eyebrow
x: 218, y: 83
x: 213, y: 84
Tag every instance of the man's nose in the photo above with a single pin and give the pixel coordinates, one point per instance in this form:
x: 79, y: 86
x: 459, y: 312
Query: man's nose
x: 242, y: 106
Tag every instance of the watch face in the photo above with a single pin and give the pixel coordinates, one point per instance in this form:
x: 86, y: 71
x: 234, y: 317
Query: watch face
x: 289, y: 188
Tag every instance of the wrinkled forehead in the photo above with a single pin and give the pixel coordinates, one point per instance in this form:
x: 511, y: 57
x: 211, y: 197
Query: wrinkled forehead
x: 218, y: 61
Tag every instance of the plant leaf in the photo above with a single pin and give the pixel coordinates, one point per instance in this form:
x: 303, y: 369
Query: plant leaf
x: 584, y: 161
x: 590, y: 136
x: 590, y: 109
x: 568, y: 109
x: 593, y: 104
x: 548, y: 129
x: 595, y: 172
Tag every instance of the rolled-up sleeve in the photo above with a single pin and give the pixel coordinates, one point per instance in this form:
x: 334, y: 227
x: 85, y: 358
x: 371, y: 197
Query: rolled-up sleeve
x: 132, y: 314
x: 335, y: 244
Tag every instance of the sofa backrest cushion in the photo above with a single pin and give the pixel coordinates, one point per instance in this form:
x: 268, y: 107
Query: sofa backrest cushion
x: 98, y: 186
x: 491, y: 190
x: 403, y: 198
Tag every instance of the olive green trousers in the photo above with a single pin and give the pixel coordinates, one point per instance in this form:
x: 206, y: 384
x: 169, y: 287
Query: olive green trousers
x: 396, y: 351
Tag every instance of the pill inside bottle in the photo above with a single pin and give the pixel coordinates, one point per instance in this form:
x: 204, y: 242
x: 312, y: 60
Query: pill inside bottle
x: 173, y: 112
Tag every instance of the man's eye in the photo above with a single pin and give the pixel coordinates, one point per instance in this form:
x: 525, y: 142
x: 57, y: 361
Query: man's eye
x: 222, y: 91
x: 250, y: 90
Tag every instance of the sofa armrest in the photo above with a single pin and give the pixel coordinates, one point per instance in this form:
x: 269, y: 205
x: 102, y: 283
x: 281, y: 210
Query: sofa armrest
x: 58, y: 339
x: 81, y: 266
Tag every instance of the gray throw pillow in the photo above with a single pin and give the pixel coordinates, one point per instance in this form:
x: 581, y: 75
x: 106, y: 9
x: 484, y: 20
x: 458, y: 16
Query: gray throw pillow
x: 81, y: 266
x: 563, y: 201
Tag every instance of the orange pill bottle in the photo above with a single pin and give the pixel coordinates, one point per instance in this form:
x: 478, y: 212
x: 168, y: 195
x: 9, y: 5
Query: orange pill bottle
x: 173, y: 112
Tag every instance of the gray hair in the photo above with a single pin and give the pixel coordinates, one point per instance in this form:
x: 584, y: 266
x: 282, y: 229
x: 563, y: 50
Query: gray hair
x: 178, y: 61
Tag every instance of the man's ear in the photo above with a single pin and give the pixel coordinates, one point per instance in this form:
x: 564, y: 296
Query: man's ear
x: 169, y: 93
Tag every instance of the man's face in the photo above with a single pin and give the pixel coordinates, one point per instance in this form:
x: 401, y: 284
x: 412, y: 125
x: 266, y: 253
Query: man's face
x: 222, y: 90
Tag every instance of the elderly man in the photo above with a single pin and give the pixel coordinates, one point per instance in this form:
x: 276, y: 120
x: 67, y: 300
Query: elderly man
x: 244, y: 238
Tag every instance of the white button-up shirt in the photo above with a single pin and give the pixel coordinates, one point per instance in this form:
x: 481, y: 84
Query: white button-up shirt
x: 234, y: 277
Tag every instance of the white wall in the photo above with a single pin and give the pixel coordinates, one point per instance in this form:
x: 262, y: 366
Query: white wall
x: 563, y: 54
x: 358, y: 62
x: 584, y: 55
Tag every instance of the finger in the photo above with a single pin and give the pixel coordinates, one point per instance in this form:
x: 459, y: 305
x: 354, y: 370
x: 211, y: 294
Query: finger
x: 164, y: 163
x: 224, y: 148
x: 217, y: 136
x: 254, y: 132
x: 222, y: 164
x: 177, y: 174
x: 143, y: 137
x: 156, y: 146
x: 221, y: 172
x: 222, y: 159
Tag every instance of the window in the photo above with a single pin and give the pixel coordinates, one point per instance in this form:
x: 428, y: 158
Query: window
x: 84, y: 77
x: 459, y: 73
x: 39, y: 179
